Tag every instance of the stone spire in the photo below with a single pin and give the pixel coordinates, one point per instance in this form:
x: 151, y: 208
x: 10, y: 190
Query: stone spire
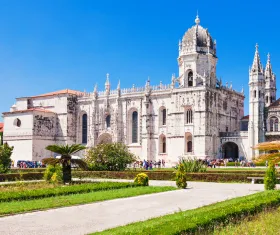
x: 257, y: 67
x: 95, y: 92
x: 268, y: 68
x: 119, y: 88
x: 107, y: 84
x: 197, y: 20
x: 119, y: 85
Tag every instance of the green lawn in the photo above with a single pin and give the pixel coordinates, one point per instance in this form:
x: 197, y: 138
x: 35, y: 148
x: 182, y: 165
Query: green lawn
x: 201, y: 220
x: 15, y: 207
x: 263, y: 223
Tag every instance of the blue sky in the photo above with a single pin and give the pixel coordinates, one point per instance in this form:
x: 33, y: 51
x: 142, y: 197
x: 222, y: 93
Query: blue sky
x: 55, y: 44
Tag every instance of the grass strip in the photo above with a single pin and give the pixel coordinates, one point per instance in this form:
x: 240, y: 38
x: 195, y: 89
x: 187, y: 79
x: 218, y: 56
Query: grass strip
x: 194, y: 221
x: 266, y: 222
x: 15, y: 207
x: 12, y: 195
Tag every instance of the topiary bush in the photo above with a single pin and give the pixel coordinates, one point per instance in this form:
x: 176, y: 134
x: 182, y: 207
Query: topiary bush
x: 181, y: 178
x: 270, y: 178
x: 53, y: 174
x: 141, y: 179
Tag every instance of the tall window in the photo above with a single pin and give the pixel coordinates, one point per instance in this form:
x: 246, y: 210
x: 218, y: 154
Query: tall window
x: 190, y: 78
x: 255, y: 93
x: 188, y: 142
x: 108, y: 121
x: 188, y: 116
x: 84, y: 129
x: 164, y: 117
x: 273, y: 123
x: 266, y: 99
x: 162, y: 143
x: 134, y: 127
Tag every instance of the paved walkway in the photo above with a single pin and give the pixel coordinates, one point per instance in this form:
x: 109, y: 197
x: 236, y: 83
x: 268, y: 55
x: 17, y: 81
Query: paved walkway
x: 93, y: 217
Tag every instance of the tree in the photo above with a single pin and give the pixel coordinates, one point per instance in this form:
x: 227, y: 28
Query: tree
x: 5, y: 157
x: 270, y: 152
x: 66, y: 159
x: 110, y: 157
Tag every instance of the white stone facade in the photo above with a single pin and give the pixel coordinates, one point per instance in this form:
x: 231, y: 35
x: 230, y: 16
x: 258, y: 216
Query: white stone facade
x: 194, y: 115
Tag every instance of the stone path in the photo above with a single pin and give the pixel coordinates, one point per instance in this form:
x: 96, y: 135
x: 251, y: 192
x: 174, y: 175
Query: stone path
x: 93, y: 217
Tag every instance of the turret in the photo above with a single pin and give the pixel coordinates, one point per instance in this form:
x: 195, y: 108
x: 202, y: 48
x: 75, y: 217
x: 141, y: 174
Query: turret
x: 270, y: 83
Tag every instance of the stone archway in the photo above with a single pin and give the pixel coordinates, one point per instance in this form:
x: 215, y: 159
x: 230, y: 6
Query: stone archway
x: 230, y: 150
x: 104, y: 139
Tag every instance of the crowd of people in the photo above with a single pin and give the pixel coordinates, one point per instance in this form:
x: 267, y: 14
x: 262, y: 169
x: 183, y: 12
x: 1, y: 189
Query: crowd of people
x: 29, y: 164
x: 149, y: 164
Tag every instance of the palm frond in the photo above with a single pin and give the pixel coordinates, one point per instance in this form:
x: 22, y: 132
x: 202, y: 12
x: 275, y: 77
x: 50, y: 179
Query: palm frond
x: 82, y: 164
x: 65, y: 149
x: 51, y: 161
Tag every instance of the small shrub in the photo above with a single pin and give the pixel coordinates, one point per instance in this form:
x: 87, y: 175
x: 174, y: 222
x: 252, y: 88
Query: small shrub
x: 141, y: 179
x: 53, y: 174
x: 5, y: 157
x: 110, y: 157
x: 192, y: 165
x: 270, y: 178
x: 181, y: 179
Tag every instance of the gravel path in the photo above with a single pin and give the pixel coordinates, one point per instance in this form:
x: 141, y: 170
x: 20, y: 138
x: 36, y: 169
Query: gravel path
x: 92, y: 217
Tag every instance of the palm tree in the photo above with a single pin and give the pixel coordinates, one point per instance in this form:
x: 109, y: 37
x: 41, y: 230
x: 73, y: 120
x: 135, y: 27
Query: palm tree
x: 270, y: 151
x: 65, y: 151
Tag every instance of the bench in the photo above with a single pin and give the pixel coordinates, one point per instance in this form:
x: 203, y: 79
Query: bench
x: 256, y: 178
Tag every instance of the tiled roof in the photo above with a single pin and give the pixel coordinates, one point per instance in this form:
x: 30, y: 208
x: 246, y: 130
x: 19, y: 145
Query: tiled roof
x: 275, y: 103
x: 245, y: 117
x: 30, y: 110
x: 66, y: 91
x: 1, y: 126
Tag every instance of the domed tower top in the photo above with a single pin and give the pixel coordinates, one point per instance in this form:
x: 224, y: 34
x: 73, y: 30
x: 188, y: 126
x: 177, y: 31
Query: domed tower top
x: 197, y: 39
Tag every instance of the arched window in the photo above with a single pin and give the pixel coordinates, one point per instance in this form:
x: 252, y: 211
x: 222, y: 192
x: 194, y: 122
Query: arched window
x: 164, y: 117
x: 190, y: 79
x: 162, y: 144
x: 255, y: 93
x: 108, y: 121
x: 84, y: 128
x: 188, y: 116
x: 134, y: 127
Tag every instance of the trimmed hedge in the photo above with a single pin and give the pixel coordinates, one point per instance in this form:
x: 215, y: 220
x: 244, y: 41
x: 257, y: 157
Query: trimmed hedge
x: 7, y: 196
x: 27, y: 170
x: 169, y: 175
x: 204, y: 219
x: 21, y: 176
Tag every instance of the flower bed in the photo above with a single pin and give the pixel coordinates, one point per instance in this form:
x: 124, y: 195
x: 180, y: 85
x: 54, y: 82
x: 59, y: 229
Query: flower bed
x: 61, y: 190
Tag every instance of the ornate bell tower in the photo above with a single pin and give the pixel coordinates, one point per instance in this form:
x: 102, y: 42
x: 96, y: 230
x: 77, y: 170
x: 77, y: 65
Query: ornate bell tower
x: 256, y: 104
x: 197, y: 58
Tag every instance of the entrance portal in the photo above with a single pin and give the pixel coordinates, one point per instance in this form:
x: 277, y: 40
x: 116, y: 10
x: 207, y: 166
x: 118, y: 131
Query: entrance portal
x: 230, y: 150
